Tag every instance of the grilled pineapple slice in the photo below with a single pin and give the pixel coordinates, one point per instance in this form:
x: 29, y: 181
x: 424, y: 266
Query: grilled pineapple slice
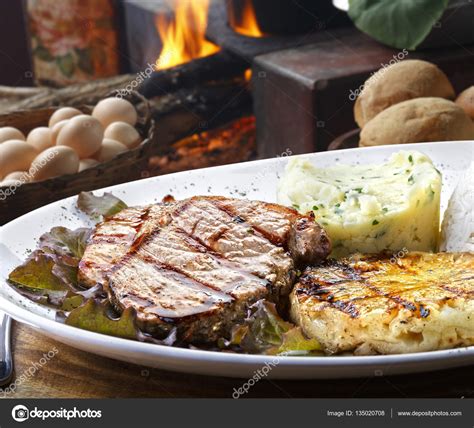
x: 367, y: 304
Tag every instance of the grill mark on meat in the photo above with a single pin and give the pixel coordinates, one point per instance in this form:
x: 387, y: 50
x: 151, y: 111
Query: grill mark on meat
x: 215, y: 296
x: 143, y: 301
x: 219, y: 234
x: 162, y: 267
x: 208, y: 306
x: 196, y: 244
x: 203, y: 261
x: 199, y: 245
x: 184, y: 277
x: 137, y: 225
x: 274, y: 239
x: 134, y: 222
x: 92, y: 263
x: 110, y: 238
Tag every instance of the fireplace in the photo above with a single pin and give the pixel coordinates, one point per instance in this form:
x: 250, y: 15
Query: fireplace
x: 262, y: 79
x: 202, y: 54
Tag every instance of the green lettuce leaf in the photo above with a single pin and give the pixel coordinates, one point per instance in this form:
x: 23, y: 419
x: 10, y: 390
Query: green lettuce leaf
x: 71, y: 301
x: 99, y: 206
x: 63, y: 241
x: 264, y: 331
x: 37, y: 273
x: 49, y: 275
x: 403, y: 24
x: 98, y: 316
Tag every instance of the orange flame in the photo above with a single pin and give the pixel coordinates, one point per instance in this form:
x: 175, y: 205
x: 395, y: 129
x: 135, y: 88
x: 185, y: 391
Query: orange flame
x: 184, y: 37
x: 247, y: 24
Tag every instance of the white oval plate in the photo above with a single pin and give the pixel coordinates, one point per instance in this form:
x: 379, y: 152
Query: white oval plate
x: 253, y: 180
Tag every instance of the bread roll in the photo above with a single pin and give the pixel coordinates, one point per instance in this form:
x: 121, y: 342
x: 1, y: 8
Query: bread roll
x: 465, y: 100
x: 399, y: 82
x: 416, y: 121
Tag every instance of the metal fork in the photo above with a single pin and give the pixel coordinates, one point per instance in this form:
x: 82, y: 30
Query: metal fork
x: 6, y: 361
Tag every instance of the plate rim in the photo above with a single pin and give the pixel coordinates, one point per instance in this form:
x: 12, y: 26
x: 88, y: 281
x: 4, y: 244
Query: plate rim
x: 223, y: 357
x: 114, y: 344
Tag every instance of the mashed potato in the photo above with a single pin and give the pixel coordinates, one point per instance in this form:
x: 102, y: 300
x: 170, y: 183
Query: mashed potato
x: 457, y: 232
x: 369, y: 208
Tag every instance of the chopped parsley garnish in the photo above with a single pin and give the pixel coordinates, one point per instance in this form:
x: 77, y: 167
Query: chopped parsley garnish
x: 358, y: 189
x: 410, y: 158
x: 337, y: 205
x: 296, y: 207
x: 411, y: 180
x: 315, y: 208
x: 375, y: 222
x: 385, y: 209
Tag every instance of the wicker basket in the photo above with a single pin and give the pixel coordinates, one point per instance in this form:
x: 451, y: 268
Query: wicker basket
x: 127, y: 166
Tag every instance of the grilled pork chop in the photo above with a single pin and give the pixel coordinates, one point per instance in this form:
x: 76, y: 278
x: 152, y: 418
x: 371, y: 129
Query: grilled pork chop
x: 377, y: 304
x: 198, y: 264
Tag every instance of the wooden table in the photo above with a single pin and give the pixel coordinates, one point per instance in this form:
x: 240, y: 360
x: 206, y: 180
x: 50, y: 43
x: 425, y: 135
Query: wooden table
x: 76, y: 374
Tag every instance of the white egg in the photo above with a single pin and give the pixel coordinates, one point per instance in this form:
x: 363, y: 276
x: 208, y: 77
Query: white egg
x: 15, y: 155
x: 63, y: 113
x: 16, y: 178
x: 53, y: 162
x: 112, y: 110
x: 10, y: 133
x: 123, y: 133
x: 17, y: 175
x: 83, y: 134
x: 109, y: 149
x: 55, y: 130
x: 87, y: 163
x: 40, y: 138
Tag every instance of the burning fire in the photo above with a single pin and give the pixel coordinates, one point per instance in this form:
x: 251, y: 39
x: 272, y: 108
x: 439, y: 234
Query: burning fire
x: 234, y: 142
x: 184, y: 36
x: 247, y: 24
